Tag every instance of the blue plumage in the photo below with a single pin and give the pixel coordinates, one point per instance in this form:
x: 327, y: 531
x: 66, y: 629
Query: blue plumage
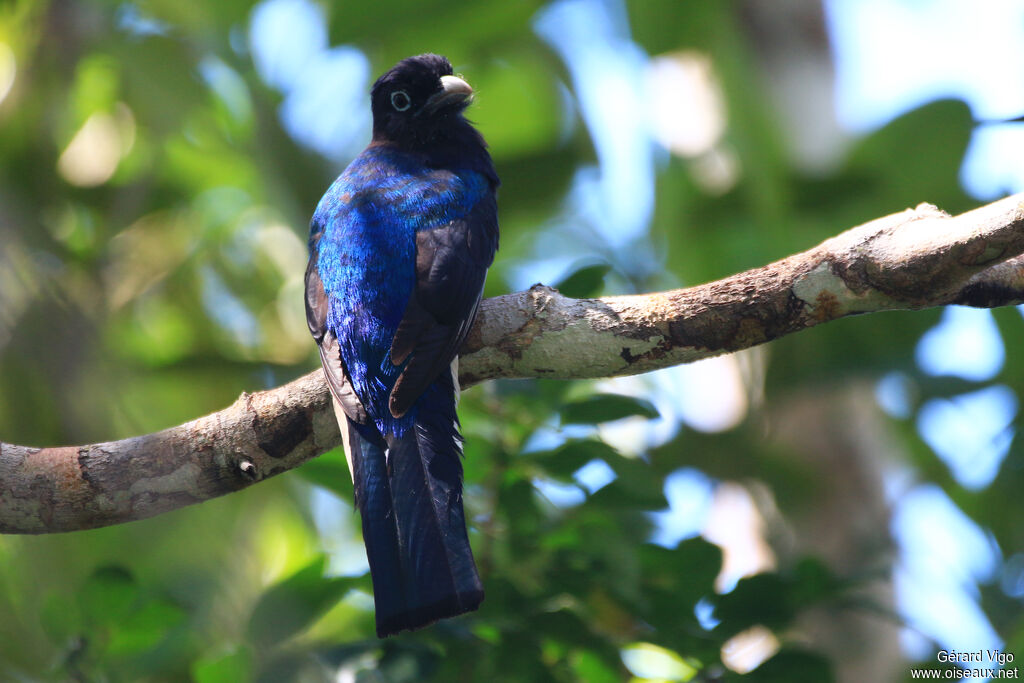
x: 399, y: 249
x: 369, y: 218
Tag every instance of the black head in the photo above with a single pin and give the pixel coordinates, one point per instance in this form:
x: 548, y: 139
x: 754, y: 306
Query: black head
x: 419, y: 102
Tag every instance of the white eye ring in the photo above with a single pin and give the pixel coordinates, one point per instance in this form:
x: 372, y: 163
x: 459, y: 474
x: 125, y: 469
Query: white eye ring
x: 400, y: 100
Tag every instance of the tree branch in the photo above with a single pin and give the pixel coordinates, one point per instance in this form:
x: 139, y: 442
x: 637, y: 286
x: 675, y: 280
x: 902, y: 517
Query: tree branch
x: 918, y: 258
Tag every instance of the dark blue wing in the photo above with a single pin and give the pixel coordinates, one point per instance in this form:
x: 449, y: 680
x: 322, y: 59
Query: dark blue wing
x: 451, y: 265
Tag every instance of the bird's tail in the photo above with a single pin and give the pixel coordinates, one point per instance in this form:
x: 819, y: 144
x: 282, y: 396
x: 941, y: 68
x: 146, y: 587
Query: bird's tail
x: 413, y: 523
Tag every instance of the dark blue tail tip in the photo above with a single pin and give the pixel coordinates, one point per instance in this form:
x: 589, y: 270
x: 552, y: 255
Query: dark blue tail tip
x: 411, y: 620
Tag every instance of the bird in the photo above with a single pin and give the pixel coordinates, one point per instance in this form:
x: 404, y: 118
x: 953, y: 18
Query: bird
x: 399, y: 247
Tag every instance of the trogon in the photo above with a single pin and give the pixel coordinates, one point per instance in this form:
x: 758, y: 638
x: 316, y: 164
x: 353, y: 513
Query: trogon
x: 399, y: 246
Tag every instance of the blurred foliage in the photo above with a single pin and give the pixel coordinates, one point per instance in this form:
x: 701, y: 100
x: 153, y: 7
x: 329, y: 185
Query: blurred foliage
x: 155, y: 283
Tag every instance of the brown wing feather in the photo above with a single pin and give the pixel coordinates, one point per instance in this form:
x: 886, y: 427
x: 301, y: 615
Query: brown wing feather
x: 317, y: 307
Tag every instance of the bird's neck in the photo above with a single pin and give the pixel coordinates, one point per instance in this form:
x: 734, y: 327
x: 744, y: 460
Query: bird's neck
x: 457, y: 146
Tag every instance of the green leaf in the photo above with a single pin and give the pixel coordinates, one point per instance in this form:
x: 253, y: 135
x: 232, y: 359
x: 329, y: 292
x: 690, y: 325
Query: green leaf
x: 562, y: 462
x: 109, y: 595
x: 775, y: 599
x: 59, y: 617
x: 688, y: 570
x: 589, y: 667
x: 349, y: 654
x: 606, y: 408
x: 637, y: 486
x: 144, y: 628
x: 931, y: 172
x: 521, y: 95
x: 584, y: 282
x: 294, y: 604
x: 287, y: 667
x: 793, y: 666
x: 410, y: 663
x: 234, y: 667
x: 674, y: 581
x: 762, y: 599
x: 814, y: 581
x: 330, y: 471
x: 650, y: 661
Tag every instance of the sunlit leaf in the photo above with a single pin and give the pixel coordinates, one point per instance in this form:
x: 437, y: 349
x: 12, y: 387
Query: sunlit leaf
x: 650, y: 661
x: 144, y: 628
x: 589, y: 667
x: 292, y: 605
x: 233, y: 667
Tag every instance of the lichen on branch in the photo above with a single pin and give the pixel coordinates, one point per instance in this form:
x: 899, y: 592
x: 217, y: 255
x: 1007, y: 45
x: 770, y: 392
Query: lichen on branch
x: 919, y: 258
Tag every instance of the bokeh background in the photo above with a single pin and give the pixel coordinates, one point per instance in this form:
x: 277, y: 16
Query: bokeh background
x: 840, y: 504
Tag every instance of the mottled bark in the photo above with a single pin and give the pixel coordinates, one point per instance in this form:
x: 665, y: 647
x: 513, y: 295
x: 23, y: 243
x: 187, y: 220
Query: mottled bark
x: 44, y: 490
x: 916, y: 259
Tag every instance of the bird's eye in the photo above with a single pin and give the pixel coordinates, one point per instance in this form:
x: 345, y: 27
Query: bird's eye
x: 400, y: 100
